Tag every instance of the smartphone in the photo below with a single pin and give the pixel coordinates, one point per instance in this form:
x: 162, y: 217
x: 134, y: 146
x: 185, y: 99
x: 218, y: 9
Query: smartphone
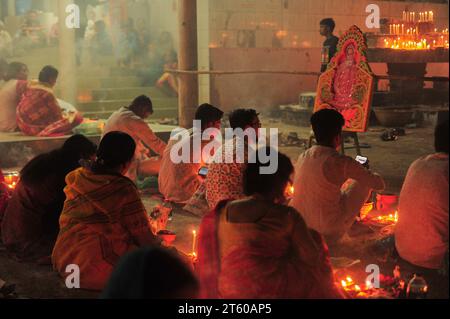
x: 203, y: 171
x: 362, y: 160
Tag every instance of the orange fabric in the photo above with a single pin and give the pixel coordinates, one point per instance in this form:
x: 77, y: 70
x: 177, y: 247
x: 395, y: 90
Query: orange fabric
x: 103, y: 218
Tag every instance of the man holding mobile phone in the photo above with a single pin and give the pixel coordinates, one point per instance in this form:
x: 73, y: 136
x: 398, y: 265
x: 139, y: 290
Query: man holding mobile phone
x: 178, y: 182
x: 331, y: 188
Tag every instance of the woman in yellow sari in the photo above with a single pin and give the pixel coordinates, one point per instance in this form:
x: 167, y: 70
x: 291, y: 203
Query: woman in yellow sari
x: 103, y: 216
x: 258, y: 248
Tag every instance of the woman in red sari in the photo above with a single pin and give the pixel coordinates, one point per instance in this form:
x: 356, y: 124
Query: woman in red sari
x: 258, y: 248
x: 38, y: 112
x: 4, y: 196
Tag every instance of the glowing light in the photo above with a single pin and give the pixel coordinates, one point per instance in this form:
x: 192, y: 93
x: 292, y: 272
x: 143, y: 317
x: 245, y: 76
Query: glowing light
x: 11, y: 180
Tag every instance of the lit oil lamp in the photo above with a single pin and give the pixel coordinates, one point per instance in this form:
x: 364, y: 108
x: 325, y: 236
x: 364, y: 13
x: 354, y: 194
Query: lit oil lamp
x: 353, y: 289
x: 11, y: 179
x: 390, y: 219
x: 193, y: 254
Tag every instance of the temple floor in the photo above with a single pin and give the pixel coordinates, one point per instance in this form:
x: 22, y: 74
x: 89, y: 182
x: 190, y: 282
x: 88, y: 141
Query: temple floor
x: 362, y: 246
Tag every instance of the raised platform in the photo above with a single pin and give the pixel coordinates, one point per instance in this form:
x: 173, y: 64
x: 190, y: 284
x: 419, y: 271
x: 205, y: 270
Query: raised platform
x: 17, y: 149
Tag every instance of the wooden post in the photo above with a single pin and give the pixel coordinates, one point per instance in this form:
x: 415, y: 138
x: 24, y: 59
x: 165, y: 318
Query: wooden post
x: 11, y: 8
x: 187, y: 60
x: 67, y: 81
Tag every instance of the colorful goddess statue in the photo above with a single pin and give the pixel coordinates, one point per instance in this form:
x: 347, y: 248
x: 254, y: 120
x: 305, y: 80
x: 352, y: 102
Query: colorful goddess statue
x: 347, y: 85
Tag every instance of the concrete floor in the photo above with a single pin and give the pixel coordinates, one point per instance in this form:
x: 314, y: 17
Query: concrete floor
x: 391, y: 159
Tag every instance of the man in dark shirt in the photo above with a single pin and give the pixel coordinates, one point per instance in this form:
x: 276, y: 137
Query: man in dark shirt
x: 330, y: 45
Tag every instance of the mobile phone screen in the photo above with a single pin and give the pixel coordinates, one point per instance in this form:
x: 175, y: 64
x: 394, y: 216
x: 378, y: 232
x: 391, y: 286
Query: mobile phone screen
x: 362, y: 160
x: 203, y: 171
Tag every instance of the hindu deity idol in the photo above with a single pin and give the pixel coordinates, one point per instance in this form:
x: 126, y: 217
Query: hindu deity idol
x: 344, y: 80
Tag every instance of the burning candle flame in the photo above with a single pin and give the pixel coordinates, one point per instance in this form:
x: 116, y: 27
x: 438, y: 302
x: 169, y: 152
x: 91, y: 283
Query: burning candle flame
x: 11, y: 180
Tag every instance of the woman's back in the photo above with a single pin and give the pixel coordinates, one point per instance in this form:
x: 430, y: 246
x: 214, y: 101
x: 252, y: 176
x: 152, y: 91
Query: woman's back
x: 31, y: 221
x: 266, y: 251
x: 254, y: 223
x: 103, y: 218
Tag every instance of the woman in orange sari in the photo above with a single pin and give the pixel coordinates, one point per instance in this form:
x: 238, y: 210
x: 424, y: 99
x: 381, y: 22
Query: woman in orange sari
x: 103, y: 216
x: 258, y: 248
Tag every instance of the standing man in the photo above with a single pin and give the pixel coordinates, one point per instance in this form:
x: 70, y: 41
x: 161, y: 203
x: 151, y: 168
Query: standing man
x: 329, y: 49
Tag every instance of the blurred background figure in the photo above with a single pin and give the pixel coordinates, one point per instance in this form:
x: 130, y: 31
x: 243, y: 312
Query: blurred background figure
x: 151, y: 274
x: 31, y: 34
x: 10, y: 94
x: 101, y: 44
x: 31, y: 221
x: 128, y: 46
x: 6, y: 44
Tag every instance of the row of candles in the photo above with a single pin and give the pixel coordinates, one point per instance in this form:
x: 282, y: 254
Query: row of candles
x: 422, y: 44
x: 427, y: 16
x: 400, y: 29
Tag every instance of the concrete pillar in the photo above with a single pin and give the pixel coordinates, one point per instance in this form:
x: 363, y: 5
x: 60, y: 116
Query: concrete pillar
x: 188, y: 60
x: 67, y: 81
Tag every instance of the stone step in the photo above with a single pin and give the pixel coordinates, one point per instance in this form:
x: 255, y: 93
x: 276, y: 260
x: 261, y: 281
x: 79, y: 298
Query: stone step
x: 108, y: 82
x: 125, y: 93
x: 159, y: 113
x: 113, y: 105
x: 116, y: 71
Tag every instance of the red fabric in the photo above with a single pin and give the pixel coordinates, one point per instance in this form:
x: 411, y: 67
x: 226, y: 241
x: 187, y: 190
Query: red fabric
x: 253, y: 267
x: 39, y: 114
x: 4, y: 196
x: 208, y: 266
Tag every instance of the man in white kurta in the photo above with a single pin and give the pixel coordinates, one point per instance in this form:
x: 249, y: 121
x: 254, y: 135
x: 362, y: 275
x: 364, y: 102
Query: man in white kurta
x: 179, y: 181
x: 421, y: 235
x: 331, y: 188
x: 131, y: 120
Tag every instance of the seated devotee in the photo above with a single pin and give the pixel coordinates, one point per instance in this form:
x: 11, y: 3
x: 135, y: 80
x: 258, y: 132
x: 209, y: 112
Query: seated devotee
x: 259, y: 248
x: 31, y: 221
x: 103, y: 217
x: 330, y: 188
x: 38, y: 112
x: 421, y: 235
x: 151, y: 273
x: 31, y: 34
x: 131, y: 120
x: 153, y: 66
x: 167, y: 78
x: 6, y: 46
x: 10, y: 95
x: 3, y: 69
x: 224, y: 180
x: 179, y: 181
x: 128, y: 44
x: 100, y: 44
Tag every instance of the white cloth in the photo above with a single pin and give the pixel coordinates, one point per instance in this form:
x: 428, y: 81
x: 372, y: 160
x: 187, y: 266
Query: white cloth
x: 126, y: 121
x: 320, y: 196
x: 422, y: 230
x: 8, y: 106
x: 179, y: 182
